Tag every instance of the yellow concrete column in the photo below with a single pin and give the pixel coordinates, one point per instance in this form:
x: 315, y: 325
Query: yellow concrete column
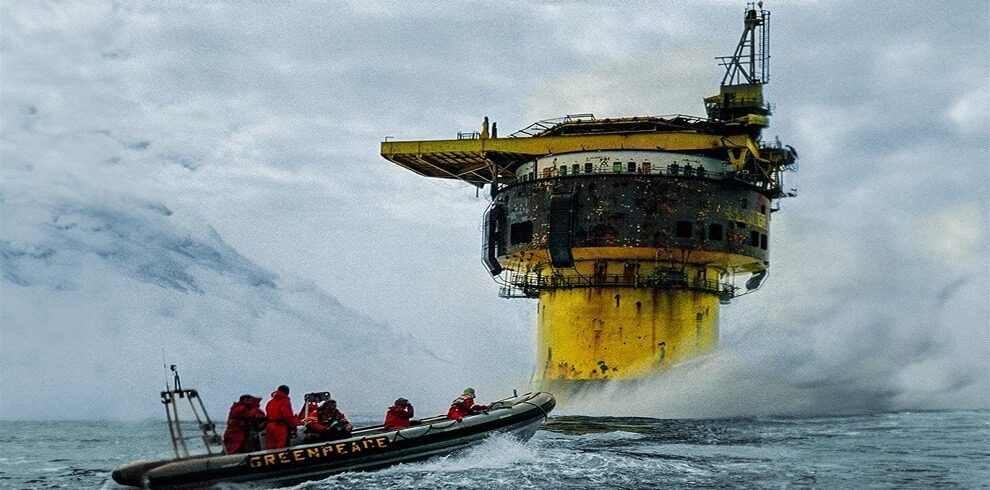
x: 621, y: 332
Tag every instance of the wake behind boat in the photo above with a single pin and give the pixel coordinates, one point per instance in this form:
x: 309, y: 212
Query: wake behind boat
x: 368, y: 448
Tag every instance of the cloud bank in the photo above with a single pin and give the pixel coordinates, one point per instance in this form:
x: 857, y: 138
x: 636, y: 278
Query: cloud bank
x: 258, y: 129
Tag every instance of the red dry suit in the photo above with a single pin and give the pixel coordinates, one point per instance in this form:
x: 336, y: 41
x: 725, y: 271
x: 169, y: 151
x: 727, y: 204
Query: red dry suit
x: 280, y: 421
x: 244, y: 422
x: 398, y: 417
x: 328, y: 425
x: 463, y: 406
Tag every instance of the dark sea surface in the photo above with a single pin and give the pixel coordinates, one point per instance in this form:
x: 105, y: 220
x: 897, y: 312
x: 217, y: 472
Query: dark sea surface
x: 887, y: 450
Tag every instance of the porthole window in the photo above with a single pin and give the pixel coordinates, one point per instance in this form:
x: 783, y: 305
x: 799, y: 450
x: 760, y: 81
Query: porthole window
x: 521, y: 232
x: 715, y: 231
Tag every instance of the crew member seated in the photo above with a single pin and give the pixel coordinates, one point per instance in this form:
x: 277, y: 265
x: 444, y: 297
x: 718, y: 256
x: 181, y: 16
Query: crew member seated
x: 399, y: 415
x: 464, y: 405
x: 244, y: 424
x: 328, y: 424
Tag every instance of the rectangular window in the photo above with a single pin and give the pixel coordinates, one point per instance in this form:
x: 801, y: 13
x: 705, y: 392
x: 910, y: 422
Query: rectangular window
x: 617, y: 167
x: 683, y: 229
x: 589, y: 168
x: 521, y: 232
x: 754, y: 238
x: 563, y: 170
x: 645, y: 167
x: 548, y: 172
x: 601, y: 271
x: 763, y: 241
x: 715, y: 231
x: 575, y: 169
x: 631, y: 166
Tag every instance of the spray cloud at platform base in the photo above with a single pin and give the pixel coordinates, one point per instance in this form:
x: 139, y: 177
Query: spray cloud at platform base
x: 911, y: 338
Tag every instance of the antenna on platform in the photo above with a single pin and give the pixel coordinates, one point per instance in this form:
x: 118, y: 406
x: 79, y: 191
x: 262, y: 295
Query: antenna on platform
x: 750, y: 64
x: 740, y: 96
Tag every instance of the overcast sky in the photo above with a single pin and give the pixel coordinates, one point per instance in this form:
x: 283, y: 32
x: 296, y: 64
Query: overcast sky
x: 263, y: 119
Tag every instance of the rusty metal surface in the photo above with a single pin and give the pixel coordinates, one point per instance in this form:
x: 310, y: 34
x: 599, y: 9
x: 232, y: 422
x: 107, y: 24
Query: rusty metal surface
x: 640, y: 211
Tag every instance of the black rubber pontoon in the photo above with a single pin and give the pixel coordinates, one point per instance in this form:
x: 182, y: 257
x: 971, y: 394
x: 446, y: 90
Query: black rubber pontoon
x: 368, y: 449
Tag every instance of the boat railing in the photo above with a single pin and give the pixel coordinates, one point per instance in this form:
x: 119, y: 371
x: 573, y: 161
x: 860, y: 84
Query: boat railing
x: 207, y: 429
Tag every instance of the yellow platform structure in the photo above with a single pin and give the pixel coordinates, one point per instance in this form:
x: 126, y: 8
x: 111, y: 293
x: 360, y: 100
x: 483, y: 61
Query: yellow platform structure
x: 630, y: 232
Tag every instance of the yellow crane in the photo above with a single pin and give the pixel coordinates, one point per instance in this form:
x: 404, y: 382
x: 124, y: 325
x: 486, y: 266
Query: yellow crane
x: 630, y: 232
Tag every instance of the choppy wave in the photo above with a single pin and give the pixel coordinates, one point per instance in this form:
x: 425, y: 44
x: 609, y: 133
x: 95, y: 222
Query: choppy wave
x: 888, y: 450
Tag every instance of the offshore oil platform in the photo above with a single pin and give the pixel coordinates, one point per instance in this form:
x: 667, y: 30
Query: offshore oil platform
x: 630, y: 232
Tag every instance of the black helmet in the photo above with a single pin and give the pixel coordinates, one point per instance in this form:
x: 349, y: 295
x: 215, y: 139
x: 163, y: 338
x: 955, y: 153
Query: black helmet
x: 284, y: 389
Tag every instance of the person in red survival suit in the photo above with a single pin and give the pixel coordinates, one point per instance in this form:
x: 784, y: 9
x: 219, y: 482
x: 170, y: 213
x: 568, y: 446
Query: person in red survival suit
x: 281, y: 420
x: 399, y: 415
x: 328, y: 425
x: 464, y: 405
x: 244, y: 423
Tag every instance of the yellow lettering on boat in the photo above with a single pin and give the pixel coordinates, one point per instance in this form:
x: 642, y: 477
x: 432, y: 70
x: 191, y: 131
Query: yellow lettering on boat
x: 291, y: 456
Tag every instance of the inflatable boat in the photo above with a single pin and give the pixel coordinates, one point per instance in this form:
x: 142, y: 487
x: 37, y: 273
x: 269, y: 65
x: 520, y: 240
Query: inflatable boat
x: 367, y: 449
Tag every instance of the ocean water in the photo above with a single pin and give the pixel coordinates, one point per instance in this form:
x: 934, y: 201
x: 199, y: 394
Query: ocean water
x: 886, y: 450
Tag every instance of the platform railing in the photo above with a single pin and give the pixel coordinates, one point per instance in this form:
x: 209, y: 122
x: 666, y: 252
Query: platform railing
x: 529, y: 285
x: 670, y: 170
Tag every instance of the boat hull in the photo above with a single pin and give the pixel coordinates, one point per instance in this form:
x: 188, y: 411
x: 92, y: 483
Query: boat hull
x: 369, y: 449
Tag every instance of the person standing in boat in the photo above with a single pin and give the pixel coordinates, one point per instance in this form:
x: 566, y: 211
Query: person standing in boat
x: 328, y: 425
x: 464, y: 405
x: 243, y: 424
x: 281, y: 419
x: 399, y: 415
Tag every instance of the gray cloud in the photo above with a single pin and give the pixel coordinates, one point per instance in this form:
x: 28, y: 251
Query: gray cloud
x: 264, y: 122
